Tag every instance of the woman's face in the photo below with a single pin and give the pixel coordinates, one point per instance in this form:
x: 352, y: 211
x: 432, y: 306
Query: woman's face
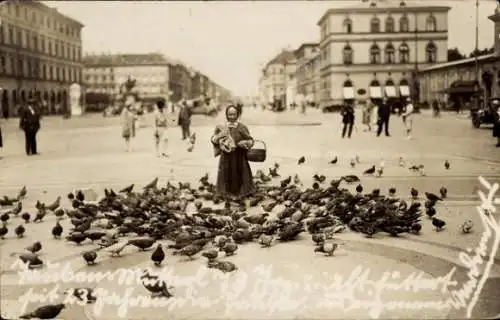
x: 232, y: 114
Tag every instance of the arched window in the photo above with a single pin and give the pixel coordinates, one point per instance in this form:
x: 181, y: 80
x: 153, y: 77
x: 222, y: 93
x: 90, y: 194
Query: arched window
x: 389, y: 53
x: 348, y: 90
x: 348, y: 84
x: 431, y: 52
x: 347, y: 54
x: 374, y: 54
x: 404, y: 24
x: 347, y: 25
x: 375, y: 25
x: 404, y: 53
x: 374, y: 83
x: 431, y: 24
x: 403, y: 82
x: 389, y: 82
x: 389, y: 24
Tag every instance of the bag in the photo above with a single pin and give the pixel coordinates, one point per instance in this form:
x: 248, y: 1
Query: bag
x: 257, y: 154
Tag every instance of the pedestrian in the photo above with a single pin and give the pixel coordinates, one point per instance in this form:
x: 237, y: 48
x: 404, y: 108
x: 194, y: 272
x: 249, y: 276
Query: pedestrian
x: 160, y: 129
x: 231, y: 142
x: 496, y: 125
x: 184, y: 121
x: 347, y: 119
x: 384, y: 113
x: 29, y: 122
x: 367, y: 114
x: 435, y: 108
x: 1, y: 139
x: 128, y: 125
x: 408, y: 118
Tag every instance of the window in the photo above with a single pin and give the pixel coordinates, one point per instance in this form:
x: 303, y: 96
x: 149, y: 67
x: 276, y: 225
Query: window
x: 11, y: 35
x: 28, y: 68
x: 404, y: 24
x: 375, y: 25
x: 27, y: 39
x: 48, y: 22
x: 51, y: 72
x: 389, y: 53
x: 347, y: 25
x: 56, y: 47
x: 431, y: 52
x: 20, y: 66
x: 42, y: 44
x: 431, y: 24
x: 389, y: 24
x: 3, y: 65
x: 374, y: 54
x: 19, y: 38
x: 404, y: 53
x: 347, y: 54
x: 18, y: 11
x: 44, y: 71
x: 35, y: 43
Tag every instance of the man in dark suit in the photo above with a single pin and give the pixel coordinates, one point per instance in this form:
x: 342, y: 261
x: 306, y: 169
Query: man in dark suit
x: 384, y: 113
x: 30, y: 124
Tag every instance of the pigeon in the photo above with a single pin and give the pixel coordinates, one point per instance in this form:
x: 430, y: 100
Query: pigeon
x: 466, y: 227
x: 19, y: 230
x: 154, y: 285
x: 229, y: 248
x: 50, y: 311
x: 3, y: 231
x: 334, y: 161
x: 117, y: 250
x: 22, y: 193
x: 369, y: 171
x: 401, y: 162
x: 432, y: 197
x: 359, y: 188
x: 265, y: 241
x: 350, y: 178
x: 447, y: 164
x: 35, y: 247
x: 438, y: 223
x: 210, y: 255
x: 5, y: 217
x: 327, y: 248
x: 430, y: 212
x: 273, y: 172
x: 127, y: 189
x: 353, y: 163
x: 54, y: 205
x: 443, y: 192
x: 26, y: 217
x: 158, y: 255
x: 143, y: 243
x: 76, y: 237
x: 301, y: 160
x: 17, y: 209
x: 414, y: 193
x: 152, y: 184
x: 415, y: 228
x: 392, y: 192
x: 380, y: 171
x: 89, y: 257
x: 357, y: 159
x: 189, y: 250
x: 57, y: 230
x: 318, y: 238
x: 224, y: 266
x: 296, y: 179
x: 40, y: 215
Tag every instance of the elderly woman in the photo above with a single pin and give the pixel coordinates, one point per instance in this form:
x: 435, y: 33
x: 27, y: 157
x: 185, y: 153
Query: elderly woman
x: 231, y: 142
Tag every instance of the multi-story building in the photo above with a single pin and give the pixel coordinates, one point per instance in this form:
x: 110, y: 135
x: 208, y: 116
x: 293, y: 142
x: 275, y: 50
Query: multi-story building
x: 307, y: 72
x: 377, y: 45
x: 106, y: 73
x: 278, y: 78
x: 40, y: 56
x: 179, y: 82
x: 461, y: 77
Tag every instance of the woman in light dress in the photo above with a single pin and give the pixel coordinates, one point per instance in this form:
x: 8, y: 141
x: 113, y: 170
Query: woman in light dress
x: 367, y: 114
x: 128, y: 125
x: 160, y: 125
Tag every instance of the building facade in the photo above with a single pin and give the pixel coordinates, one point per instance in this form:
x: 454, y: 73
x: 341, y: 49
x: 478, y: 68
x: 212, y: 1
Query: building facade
x: 180, y: 82
x: 376, y: 46
x: 436, y: 79
x: 40, y: 56
x: 308, y: 72
x: 107, y: 73
x: 278, y: 78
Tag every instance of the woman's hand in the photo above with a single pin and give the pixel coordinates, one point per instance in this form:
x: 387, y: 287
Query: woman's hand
x: 246, y: 144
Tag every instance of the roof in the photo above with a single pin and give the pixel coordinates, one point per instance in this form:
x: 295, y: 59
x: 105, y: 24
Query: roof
x: 53, y: 10
x: 115, y: 60
x: 393, y: 6
x: 307, y: 44
x: 283, y: 56
x: 460, y: 62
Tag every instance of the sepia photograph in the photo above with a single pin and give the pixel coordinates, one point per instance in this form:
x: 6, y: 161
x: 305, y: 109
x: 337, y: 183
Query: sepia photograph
x: 199, y: 160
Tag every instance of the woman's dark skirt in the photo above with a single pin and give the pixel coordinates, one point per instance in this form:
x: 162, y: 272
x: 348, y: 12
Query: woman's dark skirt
x: 1, y: 139
x: 496, y: 129
x: 234, y: 178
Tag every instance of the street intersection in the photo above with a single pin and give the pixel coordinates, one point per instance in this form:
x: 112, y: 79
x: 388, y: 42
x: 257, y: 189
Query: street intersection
x: 77, y: 153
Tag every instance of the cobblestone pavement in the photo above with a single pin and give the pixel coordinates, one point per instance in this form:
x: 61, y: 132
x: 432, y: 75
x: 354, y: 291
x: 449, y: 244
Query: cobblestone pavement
x: 80, y: 153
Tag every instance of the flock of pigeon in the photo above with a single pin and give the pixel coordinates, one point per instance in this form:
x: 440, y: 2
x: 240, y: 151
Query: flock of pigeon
x: 194, y: 221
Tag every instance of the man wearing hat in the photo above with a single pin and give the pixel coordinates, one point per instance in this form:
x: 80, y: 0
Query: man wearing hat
x: 30, y: 124
x: 384, y: 113
x: 408, y: 118
x: 496, y: 126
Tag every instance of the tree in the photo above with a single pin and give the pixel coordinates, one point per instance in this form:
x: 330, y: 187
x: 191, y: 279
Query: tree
x: 454, y: 55
x: 130, y: 84
x: 477, y: 53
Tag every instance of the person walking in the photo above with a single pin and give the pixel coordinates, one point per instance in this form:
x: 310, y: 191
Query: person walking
x: 1, y: 139
x: 496, y: 124
x: 231, y: 142
x: 184, y: 120
x: 160, y: 125
x: 367, y: 114
x: 347, y: 120
x: 384, y: 113
x: 408, y: 118
x: 128, y: 125
x: 29, y: 122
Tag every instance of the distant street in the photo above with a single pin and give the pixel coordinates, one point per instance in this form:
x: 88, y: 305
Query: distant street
x: 89, y: 153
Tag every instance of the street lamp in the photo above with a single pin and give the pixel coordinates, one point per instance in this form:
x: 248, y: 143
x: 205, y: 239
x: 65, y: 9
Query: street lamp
x: 476, y: 54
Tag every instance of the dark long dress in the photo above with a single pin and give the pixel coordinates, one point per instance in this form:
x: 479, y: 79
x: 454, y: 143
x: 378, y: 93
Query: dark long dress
x: 234, y: 177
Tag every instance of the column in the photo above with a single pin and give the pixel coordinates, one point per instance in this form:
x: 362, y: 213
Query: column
x: 494, y: 85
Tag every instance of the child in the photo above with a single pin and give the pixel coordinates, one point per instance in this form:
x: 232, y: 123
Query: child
x: 128, y: 126
x: 160, y: 129
x: 192, y: 141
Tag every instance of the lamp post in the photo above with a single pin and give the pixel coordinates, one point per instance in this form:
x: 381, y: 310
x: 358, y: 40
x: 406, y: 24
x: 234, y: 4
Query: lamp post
x: 476, y: 60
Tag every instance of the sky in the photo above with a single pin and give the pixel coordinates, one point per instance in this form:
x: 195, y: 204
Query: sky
x: 231, y: 41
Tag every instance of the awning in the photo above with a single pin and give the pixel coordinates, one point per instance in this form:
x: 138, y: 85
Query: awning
x: 458, y: 90
x: 348, y: 92
x: 390, y: 92
x: 405, y: 91
x: 376, y: 92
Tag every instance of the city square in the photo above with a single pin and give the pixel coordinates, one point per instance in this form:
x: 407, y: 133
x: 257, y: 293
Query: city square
x: 89, y: 157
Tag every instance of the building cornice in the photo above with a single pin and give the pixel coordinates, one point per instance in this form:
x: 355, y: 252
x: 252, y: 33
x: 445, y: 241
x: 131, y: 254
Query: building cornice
x: 387, y: 38
x: 462, y: 62
x: 375, y: 10
x: 50, y: 10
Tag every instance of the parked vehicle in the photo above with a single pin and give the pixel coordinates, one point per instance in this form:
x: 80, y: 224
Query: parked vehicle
x: 485, y: 113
